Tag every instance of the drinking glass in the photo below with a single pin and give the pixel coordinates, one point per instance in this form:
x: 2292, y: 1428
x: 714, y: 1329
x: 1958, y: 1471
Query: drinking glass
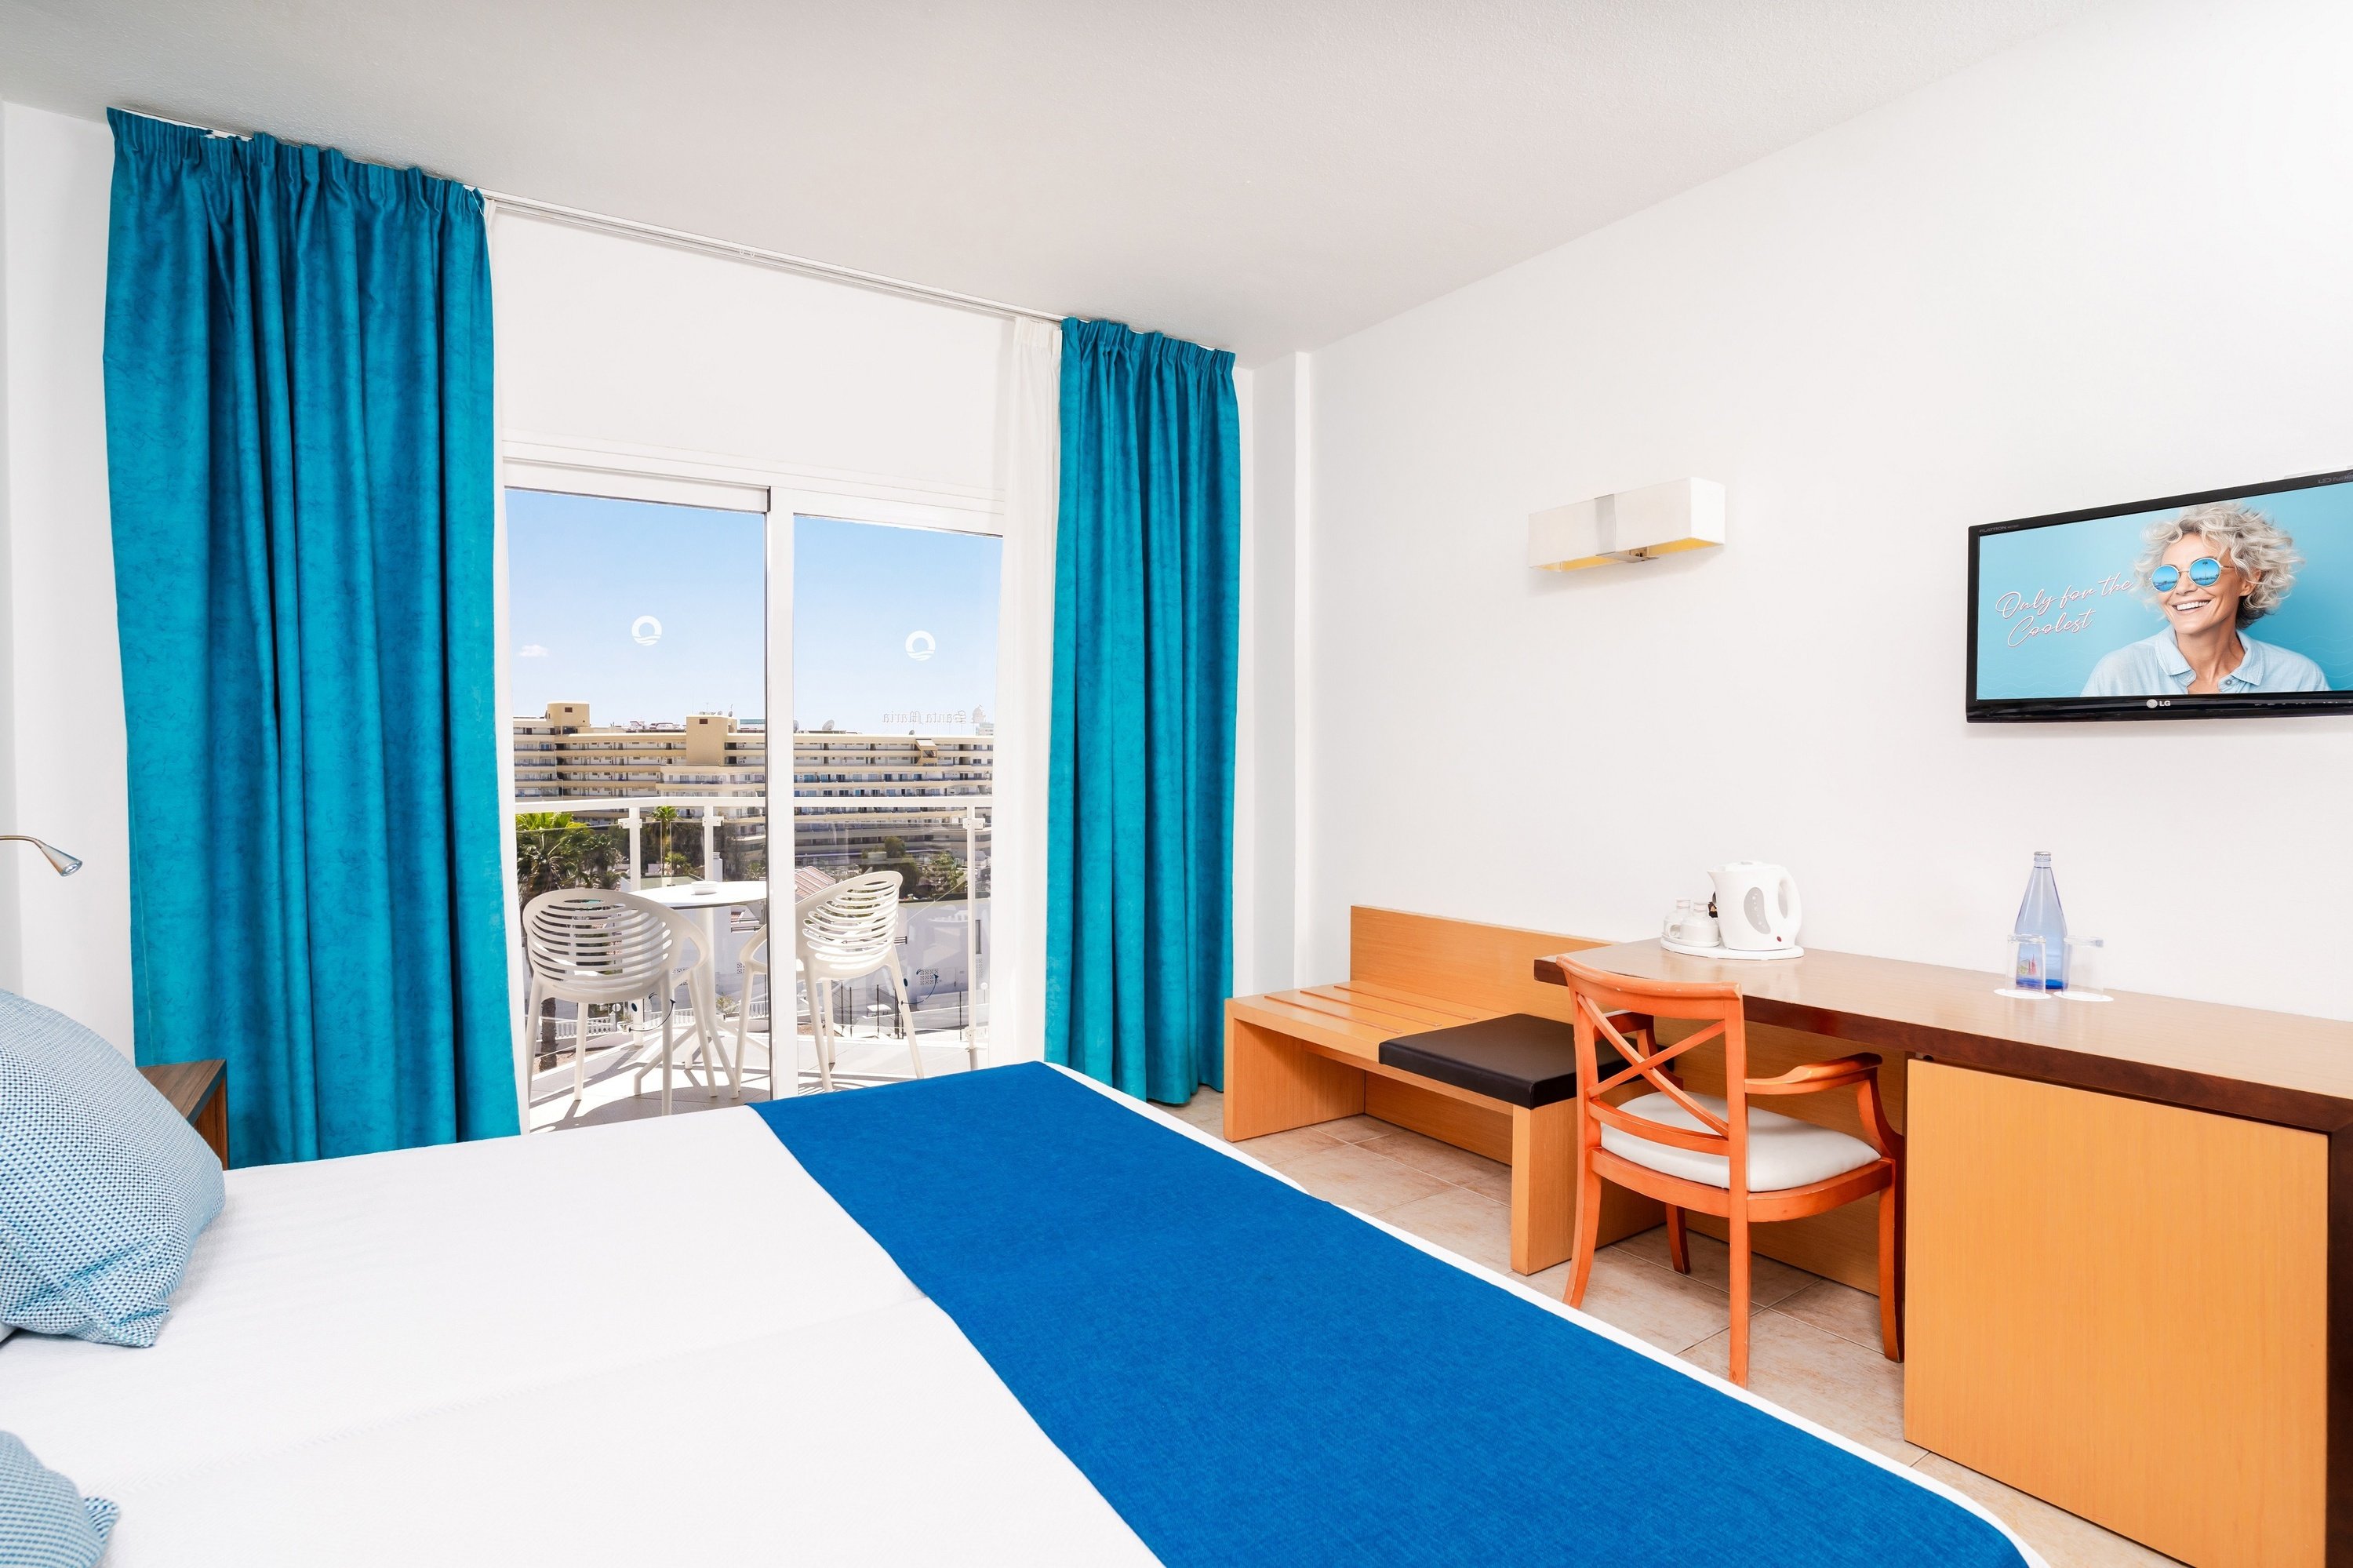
x: 2029, y: 954
x: 2084, y: 969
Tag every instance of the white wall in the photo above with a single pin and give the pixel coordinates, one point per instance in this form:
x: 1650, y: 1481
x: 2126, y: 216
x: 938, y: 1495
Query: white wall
x: 2113, y: 263
x: 12, y: 954
x: 1266, y: 796
x: 613, y: 339
x: 61, y: 742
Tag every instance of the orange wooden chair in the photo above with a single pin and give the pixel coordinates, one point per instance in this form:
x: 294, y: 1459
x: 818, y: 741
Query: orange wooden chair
x: 1716, y: 1155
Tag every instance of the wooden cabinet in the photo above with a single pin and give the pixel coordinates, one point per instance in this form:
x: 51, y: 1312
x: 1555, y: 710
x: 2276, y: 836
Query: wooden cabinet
x: 198, y: 1091
x: 2122, y: 1308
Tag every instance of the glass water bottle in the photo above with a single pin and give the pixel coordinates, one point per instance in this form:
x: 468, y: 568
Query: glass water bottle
x: 2042, y: 965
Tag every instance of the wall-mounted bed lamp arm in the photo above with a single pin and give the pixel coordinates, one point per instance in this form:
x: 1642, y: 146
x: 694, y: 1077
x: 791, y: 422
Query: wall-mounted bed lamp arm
x: 66, y: 865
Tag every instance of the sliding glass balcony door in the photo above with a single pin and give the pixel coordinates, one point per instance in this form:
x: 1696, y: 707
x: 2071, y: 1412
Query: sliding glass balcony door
x: 652, y: 646
x: 894, y: 680
x: 637, y: 683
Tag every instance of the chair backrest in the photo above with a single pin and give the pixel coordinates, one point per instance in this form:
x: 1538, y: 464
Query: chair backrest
x: 590, y: 944
x: 848, y: 930
x: 1598, y: 993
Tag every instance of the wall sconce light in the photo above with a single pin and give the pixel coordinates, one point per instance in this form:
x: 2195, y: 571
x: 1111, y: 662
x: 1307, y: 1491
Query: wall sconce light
x: 64, y: 863
x: 1631, y: 526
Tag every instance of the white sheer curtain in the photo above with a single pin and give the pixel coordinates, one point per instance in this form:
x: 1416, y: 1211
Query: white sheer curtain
x: 1025, y: 692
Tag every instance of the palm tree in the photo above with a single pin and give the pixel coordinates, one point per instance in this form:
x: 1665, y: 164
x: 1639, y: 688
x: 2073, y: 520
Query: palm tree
x: 550, y: 851
x: 666, y: 818
x: 943, y: 875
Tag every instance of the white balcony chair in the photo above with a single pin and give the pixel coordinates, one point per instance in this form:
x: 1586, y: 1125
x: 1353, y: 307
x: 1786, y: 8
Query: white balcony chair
x: 595, y: 948
x: 845, y: 933
x: 754, y: 961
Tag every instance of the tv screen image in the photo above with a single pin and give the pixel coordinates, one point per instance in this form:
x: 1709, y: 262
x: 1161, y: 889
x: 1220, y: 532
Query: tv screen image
x: 2244, y: 595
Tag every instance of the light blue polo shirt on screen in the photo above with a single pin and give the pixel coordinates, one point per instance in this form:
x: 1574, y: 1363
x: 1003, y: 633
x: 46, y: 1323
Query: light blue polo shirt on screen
x: 2154, y: 667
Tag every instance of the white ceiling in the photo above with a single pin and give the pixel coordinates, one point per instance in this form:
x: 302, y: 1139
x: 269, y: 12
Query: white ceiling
x: 1262, y: 176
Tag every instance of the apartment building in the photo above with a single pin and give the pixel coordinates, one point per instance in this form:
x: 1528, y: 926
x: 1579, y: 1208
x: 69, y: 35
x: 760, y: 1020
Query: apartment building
x: 562, y: 757
x: 562, y: 754
x: 835, y: 765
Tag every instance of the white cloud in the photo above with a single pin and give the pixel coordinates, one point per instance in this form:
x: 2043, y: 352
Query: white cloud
x: 531, y: 650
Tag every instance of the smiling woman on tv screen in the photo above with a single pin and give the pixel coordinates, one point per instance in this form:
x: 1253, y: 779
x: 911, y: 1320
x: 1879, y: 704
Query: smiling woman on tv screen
x: 2211, y: 570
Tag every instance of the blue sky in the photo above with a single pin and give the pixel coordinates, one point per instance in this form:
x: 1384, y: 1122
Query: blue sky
x: 651, y: 612
x: 862, y: 596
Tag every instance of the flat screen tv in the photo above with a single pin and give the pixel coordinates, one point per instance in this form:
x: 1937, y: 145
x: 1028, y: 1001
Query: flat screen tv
x: 2223, y: 604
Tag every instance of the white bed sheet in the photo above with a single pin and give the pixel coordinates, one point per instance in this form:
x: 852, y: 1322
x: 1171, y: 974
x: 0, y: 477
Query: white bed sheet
x: 880, y: 1437
x: 346, y: 1294
x: 657, y: 1342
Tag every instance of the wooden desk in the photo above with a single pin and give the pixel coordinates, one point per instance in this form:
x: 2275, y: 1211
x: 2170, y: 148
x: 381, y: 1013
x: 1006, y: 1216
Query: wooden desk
x: 2131, y: 1242
x: 198, y: 1091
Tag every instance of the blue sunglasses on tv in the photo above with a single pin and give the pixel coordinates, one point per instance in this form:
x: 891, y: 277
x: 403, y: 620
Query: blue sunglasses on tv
x: 2205, y: 571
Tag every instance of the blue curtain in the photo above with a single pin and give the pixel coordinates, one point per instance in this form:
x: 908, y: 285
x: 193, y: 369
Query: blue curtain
x: 301, y: 450
x: 1139, y: 924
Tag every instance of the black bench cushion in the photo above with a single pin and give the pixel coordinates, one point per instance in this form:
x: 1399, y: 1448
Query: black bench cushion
x: 1519, y: 1058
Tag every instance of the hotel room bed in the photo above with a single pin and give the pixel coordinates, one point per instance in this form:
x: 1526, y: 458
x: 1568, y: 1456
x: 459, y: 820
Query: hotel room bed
x: 1003, y: 1316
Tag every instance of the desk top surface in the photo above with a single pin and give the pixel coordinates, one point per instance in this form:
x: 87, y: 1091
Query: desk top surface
x: 2276, y: 1066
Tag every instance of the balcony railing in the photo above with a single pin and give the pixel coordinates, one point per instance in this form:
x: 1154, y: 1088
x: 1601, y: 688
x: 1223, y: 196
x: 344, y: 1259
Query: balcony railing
x: 945, y: 910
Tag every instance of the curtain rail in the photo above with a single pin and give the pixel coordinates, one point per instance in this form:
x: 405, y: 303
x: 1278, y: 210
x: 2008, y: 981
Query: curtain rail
x: 679, y: 238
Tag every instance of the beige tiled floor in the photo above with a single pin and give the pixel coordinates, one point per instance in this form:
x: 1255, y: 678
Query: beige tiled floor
x: 1814, y: 1345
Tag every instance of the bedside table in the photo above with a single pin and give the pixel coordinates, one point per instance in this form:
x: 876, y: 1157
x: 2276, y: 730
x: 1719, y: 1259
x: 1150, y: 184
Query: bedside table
x: 199, y: 1091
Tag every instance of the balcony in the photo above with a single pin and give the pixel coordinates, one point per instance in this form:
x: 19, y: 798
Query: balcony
x: 942, y: 946
x: 869, y: 1050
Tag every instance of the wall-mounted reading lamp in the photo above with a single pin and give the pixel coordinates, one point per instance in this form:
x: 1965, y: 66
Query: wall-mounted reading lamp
x: 65, y: 863
x: 1632, y: 526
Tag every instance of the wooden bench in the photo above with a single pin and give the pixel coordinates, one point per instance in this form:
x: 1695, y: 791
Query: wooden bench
x: 1297, y: 1057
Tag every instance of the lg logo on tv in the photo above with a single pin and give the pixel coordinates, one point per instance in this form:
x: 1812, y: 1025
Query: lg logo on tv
x: 2166, y: 703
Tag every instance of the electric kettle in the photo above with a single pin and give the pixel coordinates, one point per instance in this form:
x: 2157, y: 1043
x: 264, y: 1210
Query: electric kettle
x: 1757, y: 905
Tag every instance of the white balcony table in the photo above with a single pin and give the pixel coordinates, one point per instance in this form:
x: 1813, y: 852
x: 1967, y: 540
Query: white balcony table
x: 709, y: 897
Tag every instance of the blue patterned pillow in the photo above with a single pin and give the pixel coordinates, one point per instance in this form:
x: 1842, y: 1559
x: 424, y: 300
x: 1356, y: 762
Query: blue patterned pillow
x: 44, y: 1521
x: 104, y: 1187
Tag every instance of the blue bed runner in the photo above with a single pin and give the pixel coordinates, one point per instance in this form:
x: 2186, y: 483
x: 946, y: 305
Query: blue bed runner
x: 1251, y: 1376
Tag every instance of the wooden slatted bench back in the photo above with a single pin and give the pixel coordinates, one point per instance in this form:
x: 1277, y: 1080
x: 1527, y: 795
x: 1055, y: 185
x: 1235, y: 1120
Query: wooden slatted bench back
x: 1490, y: 967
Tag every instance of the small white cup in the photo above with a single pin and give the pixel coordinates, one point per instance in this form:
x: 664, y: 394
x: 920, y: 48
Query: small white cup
x: 1698, y: 929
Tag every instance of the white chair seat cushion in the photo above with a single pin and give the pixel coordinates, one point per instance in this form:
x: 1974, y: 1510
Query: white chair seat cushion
x: 1782, y: 1150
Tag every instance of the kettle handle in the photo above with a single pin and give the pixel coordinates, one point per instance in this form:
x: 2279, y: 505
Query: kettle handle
x: 1796, y: 904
